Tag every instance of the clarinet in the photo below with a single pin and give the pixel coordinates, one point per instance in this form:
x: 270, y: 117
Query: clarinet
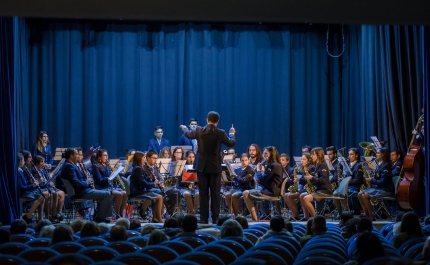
x: 40, y: 174
x: 86, y: 175
x: 29, y: 175
x: 160, y: 186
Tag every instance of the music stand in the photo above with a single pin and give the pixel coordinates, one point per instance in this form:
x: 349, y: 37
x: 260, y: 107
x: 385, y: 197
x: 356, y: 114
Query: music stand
x: 114, y: 174
x: 228, y: 158
x: 163, y: 165
x: 346, y: 168
x: 328, y: 162
x: 175, y: 170
x: 298, y: 160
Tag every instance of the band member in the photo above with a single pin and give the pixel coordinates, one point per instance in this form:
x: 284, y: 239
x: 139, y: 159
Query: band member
x: 396, y: 164
x: 158, y: 142
x: 191, y: 142
x: 355, y: 182
x: 57, y: 196
x: 185, y: 186
x: 28, y: 190
x: 88, y: 177
x: 292, y: 198
x: 71, y: 173
x: 29, y: 168
x: 101, y: 172
x: 143, y: 185
x: 287, y: 170
x: 332, y: 156
x: 254, y: 154
x: 151, y: 171
x: 130, y: 155
x: 43, y: 148
x: 306, y: 149
x: 178, y: 154
x: 382, y: 180
x: 270, y: 179
x: 242, y: 182
x: 320, y: 179
x: 232, y: 152
x: 165, y: 152
x: 208, y: 162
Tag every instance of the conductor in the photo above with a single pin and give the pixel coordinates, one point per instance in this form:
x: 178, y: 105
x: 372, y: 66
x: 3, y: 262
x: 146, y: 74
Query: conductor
x: 208, y: 162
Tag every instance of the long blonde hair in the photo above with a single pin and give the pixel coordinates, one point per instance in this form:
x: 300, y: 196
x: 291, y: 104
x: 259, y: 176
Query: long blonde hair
x: 39, y: 140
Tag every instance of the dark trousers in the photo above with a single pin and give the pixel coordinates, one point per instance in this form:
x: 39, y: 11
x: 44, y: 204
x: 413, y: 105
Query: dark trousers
x: 209, y: 182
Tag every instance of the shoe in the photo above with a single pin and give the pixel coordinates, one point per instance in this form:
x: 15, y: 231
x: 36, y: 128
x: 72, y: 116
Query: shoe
x: 303, y: 220
x: 27, y: 220
x: 54, y: 220
x: 102, y: 221
x: 59, y: 217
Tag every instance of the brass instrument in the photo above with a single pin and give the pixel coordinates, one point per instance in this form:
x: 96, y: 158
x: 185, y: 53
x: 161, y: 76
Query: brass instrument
x: 366, y: 175
x: 86, y: 174
x: 295, y: 187
x: 29, y: 175
x: 368, y: 148
x: 309, y: 186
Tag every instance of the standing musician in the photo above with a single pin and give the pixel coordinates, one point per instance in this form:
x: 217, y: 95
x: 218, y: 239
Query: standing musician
x: 71, y: 173
x: 43, y: 148
x: 242, y: 182
x: 101, y: 172
x: 28, y: 189
x: 382, y: 180
x: 270, y: 179
x: 145, y: 186
x: 320, y: 179
x: 355, y: 182
x: 171, y: 194
x: 208, y: 162
x: 158, y: 142
x: 29, y: 172
x: 396, y: 164
x: 57, y: 196
x: 185, y: 190
x: 191, y: 142
x: 291, y: 198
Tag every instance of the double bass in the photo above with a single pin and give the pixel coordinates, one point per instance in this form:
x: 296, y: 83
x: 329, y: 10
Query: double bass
x: 411, y: 192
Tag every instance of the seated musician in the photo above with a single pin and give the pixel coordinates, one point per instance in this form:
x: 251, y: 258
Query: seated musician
x: 320, y: 180
x: 242, y: 182
x: 171, y: 195
x: 57, y: 196
x: 332, y: 155
x: 383, y: 183
x: 165, y: 152
x: 254, y: 154
x: 71, y: 173
x: 270, y: 180
x: 142, y: 185
x: 396, y: 163
x: 28, y: 190
x: 101, y: 172
x: 287, y: 170
x: 190, y: 188
x: 291, y: 198
x: 81, y: 206
x: 355, y: 182
x: 30, y: 168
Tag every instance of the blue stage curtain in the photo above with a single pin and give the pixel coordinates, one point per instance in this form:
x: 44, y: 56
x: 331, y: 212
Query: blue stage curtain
x: 8, y: 164
x: 111, y: 83
x: 426, y: 71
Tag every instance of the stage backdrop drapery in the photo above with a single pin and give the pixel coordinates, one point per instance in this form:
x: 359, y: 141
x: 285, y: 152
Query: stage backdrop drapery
x: 8, y: 164
x: 111, y: 83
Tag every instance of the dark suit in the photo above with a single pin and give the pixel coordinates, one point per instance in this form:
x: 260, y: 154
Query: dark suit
x: 208, y: 165
x: 46, y: 153
x: 154, y: 145
x: 72, y: 173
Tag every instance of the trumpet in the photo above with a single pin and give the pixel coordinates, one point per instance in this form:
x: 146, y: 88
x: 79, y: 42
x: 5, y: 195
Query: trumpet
x: 29, y: 175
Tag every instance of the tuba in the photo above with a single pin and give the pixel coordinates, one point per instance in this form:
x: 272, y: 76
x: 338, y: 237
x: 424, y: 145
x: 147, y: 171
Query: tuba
x: 368, y: 148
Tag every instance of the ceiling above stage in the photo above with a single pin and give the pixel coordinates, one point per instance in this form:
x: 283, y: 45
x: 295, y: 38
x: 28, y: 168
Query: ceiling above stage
x: 410, y: 12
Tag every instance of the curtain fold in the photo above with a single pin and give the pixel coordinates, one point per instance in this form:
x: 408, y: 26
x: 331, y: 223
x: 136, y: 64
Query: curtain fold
x: 8, y: 163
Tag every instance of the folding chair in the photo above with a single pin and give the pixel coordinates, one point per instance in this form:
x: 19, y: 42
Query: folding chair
x: 273, y: 199
x: 381, y: 206
x: 70, y: 193
x: 343, y: 195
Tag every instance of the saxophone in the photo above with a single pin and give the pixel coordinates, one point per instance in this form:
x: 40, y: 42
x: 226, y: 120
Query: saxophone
x: 309, y: 186
x: 335, y: 184
x: 295, y: 187
x: 365, y: 185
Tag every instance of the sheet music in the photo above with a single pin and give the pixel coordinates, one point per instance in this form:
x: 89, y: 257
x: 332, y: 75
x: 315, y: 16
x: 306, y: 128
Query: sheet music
x: 298, y: 160
x: 119, y: 170
x: 228, y: 158
x: 328, y: 162
x: 232, y: 168
x: 345, y: 165
x: 163, y: 165
x: 177, y: 167
x: 376, y: 141
x: 371, y: 162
